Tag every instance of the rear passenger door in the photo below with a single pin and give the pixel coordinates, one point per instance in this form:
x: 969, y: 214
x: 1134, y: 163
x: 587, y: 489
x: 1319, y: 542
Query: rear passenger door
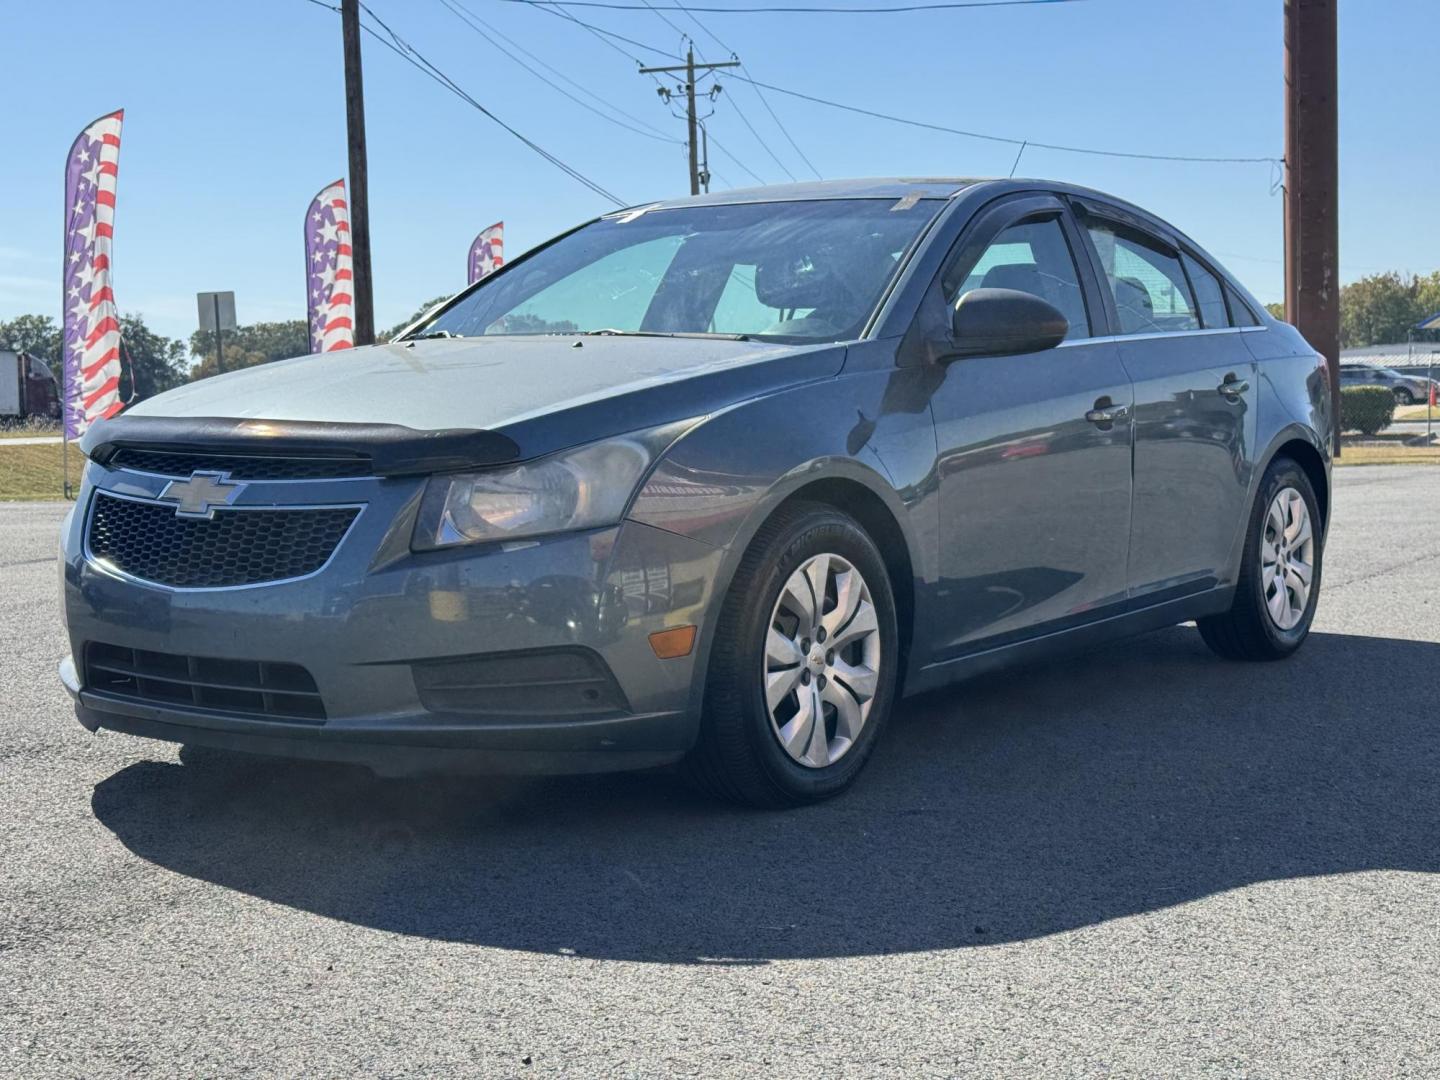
x: 1195, y: 391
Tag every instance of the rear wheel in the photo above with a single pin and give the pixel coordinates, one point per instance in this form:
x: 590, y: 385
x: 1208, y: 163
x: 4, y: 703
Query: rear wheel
x: 1279, y: 583
x: 1404, y: 396
x: 803, y: 668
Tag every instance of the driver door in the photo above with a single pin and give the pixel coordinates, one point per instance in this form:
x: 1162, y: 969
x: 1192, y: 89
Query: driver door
x: 1034, y: 450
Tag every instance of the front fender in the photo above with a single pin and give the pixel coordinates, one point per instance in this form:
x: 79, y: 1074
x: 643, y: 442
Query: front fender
x: 723, y: 479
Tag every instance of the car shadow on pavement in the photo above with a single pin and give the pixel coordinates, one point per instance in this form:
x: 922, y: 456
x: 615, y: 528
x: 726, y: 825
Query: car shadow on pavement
x: 1022, y: 804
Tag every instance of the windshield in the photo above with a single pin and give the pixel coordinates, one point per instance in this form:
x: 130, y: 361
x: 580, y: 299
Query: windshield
x: 804, y: 271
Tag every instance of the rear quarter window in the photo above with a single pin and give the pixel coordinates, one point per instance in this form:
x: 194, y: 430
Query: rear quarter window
x: 1209, y: 295
x: 1240, y: 313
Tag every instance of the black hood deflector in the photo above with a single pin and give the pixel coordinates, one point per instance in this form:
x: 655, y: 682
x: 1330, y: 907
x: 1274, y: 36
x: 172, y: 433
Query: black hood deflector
x: 389, y: 449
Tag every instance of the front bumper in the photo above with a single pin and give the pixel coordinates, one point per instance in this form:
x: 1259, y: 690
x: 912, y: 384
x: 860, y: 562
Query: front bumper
x: 377, y: 614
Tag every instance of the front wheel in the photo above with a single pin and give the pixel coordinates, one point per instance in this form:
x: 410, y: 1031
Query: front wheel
x: 804, y: 663
x: 1279, y: 582
x: 1404, y: 397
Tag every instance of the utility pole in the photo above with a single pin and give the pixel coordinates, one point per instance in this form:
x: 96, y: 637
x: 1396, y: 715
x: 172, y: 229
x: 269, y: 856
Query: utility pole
x: 359, y: 180
x: 692, y: 124
x: 1312, y: 182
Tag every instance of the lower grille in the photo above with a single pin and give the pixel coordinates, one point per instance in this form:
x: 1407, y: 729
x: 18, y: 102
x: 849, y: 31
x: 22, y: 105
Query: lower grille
x: 559, y: 682
x: 235, y: 547
x: 244, y: 687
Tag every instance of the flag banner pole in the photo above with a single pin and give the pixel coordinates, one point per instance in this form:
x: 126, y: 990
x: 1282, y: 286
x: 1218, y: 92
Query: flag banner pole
x: 90, y: 334
x: 329, y: 271
x: 487, y: 253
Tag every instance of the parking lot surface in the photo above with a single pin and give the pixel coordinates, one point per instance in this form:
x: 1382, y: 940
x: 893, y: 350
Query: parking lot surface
x: 1142, y: 861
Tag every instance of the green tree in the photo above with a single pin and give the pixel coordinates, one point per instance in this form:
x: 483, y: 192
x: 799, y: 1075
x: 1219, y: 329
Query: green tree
x: 36, y: 334
x: 1277, y: 311
x: 389, y: 334
x: 1379, y: 309
x: 152, y: 363
x: 1427, y: 295
x: 250, y: 346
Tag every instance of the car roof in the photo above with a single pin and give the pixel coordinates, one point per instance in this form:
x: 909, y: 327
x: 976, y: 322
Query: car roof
x: 871, y: 188
x: 897, y: 188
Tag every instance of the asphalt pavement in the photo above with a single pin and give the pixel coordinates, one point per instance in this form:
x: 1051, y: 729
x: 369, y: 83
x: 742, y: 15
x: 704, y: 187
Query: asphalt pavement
x: 1142, y: 861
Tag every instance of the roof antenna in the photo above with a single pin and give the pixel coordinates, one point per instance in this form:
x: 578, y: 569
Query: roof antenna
x: 1018, y: 156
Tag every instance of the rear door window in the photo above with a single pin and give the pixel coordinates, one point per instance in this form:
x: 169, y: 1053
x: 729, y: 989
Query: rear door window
x: 1146, y: 280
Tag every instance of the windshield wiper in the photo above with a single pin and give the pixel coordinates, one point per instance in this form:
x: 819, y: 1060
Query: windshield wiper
x: 609, y: 332
x: 431, y: 334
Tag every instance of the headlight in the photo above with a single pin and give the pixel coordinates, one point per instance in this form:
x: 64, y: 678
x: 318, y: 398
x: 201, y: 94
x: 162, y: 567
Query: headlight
x: 583, y: 488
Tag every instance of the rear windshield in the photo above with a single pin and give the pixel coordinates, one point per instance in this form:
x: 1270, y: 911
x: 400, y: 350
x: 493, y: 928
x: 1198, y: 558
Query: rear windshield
x: 802, y: 271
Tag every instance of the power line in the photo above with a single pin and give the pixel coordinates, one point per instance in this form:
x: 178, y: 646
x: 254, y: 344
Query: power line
x: 553, y: 7
x: 766, y: 146
x: 667, y: 22
x: 721, y: 147
x: 413, y: 56
x: 471, y: 20
x: 783, y: 129
x: 945, y: 5
x: 1009, y: 140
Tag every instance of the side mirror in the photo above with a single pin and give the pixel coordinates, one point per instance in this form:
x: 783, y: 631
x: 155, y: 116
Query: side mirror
x: 1003, y: 322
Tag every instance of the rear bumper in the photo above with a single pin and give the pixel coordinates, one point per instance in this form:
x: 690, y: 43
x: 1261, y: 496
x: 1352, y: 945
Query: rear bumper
x: 410, y: 746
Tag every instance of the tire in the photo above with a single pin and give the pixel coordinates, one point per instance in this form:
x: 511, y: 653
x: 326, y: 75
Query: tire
x: 739, y: 755
x: 1404, y: 397
x: 1250, y: 630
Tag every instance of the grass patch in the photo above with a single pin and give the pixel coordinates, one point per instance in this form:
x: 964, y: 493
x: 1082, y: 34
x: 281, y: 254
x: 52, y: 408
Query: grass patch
x: 33, y: 472
x: 1389, y: 455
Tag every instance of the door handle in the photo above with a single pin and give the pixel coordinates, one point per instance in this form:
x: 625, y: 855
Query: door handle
x: 1106, y: 413
x: 1233, y: 387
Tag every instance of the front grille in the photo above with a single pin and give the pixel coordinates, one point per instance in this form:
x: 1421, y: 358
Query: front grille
x: 248, y: 687
x: 240, y: 467
x: 235, y: 547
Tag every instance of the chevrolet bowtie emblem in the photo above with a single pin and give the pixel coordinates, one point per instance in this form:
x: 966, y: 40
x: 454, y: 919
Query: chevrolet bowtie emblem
x: 198, y: 496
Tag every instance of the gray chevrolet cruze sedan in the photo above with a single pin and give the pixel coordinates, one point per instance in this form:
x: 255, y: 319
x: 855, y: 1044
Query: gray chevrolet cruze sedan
x: 711, y: 481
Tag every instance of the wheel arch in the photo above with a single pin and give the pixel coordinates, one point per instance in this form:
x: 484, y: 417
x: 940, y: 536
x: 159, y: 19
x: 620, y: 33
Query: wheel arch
x: 864, y: 495
x: 1301, y: 448
x: 874, y: 516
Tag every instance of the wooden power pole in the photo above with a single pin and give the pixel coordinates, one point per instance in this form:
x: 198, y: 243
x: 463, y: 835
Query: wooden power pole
x: 359, y: 180
x: 692, y: 122
x: 1312, y: 182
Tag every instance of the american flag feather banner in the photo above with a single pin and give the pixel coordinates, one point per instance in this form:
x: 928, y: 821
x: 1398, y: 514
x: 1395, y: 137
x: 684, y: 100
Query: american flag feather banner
x: 487, y: 253
x: 91, y: 353
x: 329, y: 270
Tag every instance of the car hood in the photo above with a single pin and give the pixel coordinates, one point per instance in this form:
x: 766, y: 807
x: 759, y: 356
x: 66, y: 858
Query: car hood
x: 544, y: 393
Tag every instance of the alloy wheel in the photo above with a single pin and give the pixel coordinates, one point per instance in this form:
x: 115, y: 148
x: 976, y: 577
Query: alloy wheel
x: 1287, y: 558
x: 822, y: 661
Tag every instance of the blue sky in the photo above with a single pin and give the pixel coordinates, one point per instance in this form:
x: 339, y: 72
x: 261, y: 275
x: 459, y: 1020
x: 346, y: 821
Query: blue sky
x: 234, y: 118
